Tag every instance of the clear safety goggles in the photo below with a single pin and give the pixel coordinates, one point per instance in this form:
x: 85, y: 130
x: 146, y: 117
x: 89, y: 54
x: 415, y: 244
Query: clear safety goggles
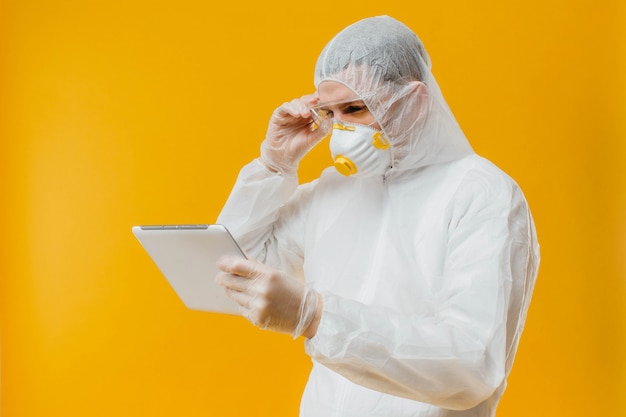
x: 322, y: 112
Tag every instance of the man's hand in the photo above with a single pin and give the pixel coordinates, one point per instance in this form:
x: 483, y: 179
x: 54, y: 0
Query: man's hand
x: 269, y: 298
x: 291, y: 133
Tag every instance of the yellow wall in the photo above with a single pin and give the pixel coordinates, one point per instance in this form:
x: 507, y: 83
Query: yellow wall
x: 130, y: 112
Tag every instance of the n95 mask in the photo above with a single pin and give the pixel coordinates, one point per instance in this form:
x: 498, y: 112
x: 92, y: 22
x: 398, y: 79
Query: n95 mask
x: 359, y: 150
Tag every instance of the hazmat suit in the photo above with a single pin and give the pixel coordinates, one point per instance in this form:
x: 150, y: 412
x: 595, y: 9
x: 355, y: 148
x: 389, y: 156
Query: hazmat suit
x: 424, y: 273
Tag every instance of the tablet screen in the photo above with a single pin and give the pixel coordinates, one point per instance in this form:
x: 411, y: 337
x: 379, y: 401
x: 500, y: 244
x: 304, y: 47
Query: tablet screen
x: 186, y: 255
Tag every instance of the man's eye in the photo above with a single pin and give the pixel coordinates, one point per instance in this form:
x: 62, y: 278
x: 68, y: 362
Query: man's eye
x: 355, y: 109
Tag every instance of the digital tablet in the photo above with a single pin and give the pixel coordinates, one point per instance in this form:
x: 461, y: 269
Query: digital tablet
x: 186, y: 255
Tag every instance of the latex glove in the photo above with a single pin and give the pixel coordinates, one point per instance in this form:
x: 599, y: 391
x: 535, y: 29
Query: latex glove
x: 291, y: 133
x: 269, y: 298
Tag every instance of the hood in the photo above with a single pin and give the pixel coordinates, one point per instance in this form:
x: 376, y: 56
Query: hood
x: 386, y: 65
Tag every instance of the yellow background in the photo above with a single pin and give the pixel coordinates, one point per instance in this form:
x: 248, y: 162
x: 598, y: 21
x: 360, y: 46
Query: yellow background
x: 137, y: 112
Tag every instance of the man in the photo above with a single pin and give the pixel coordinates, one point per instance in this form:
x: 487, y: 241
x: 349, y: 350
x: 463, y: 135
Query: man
x: 408, y: 266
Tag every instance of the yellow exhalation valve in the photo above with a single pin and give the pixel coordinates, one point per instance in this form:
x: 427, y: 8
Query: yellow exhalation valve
x: 345, y: 166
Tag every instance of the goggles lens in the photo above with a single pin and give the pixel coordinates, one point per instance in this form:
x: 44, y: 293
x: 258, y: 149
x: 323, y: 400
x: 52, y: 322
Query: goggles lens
x: 322, y: 111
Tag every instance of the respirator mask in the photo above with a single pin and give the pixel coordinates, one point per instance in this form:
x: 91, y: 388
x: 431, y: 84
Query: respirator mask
x: 359, y: 150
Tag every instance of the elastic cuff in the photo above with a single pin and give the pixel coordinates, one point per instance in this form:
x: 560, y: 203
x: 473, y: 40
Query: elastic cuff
x: 308, y: 307
x: 277, y: 169
x: 267, y: 165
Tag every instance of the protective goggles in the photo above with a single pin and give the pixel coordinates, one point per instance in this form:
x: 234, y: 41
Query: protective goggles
x: 322, y: 111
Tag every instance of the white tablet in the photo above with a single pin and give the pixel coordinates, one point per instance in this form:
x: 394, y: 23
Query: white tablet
x: 186, y: 255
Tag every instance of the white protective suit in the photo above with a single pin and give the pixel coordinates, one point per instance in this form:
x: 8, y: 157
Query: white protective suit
x: 425, y: 274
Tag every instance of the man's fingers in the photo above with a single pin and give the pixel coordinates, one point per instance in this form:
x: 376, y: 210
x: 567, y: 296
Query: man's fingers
x: 241, y: 298
x: 297, y: 108
x: 236, y: 265
x: 233, y: 282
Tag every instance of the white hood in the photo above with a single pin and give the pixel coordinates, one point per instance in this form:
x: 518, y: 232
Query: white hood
x: 370, y: 57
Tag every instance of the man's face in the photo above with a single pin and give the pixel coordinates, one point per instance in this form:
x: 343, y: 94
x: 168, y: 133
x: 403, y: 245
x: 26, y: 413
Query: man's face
x: 339, y: 102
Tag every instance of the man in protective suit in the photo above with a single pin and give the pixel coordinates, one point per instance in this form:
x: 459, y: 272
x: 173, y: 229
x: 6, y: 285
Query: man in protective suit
x: 409, y: 266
